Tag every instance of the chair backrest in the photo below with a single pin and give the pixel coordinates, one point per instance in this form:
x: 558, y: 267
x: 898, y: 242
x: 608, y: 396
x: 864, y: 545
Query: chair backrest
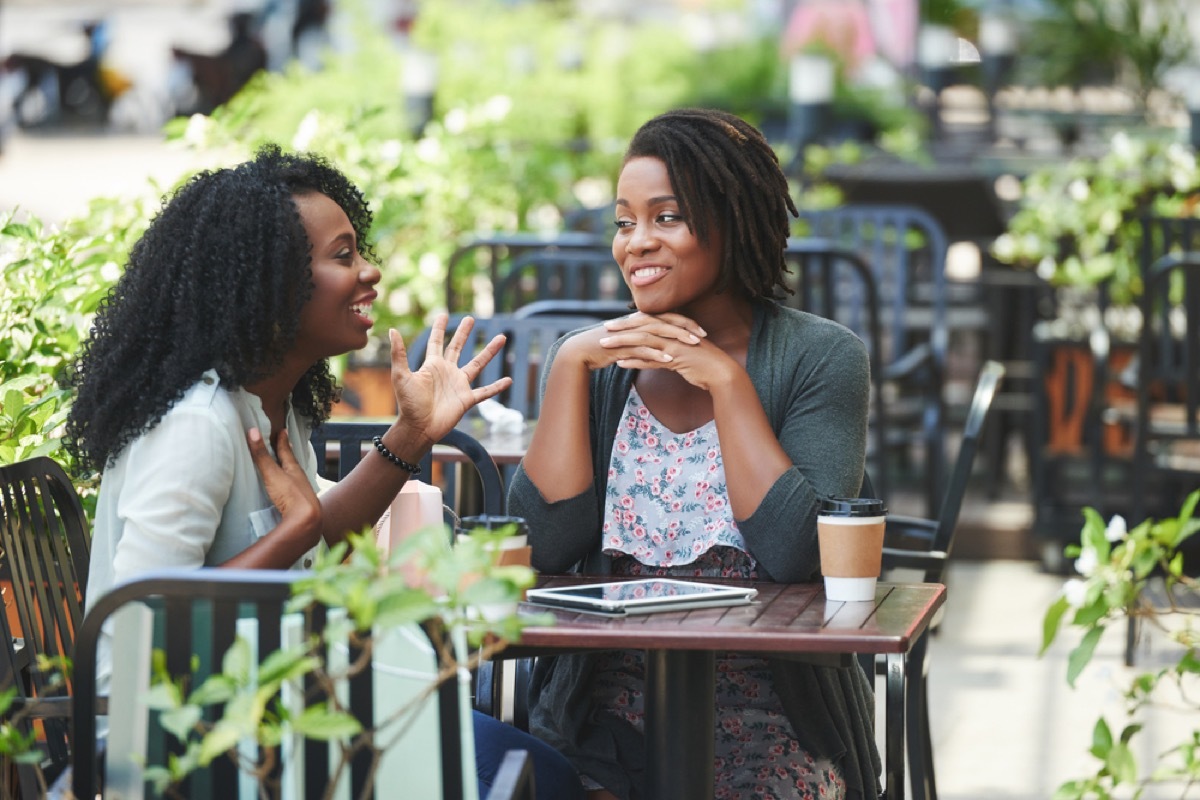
x: 1168, y: 370
x: 906, y: 248
x: 492, y: 254
x: 925, y: 544
x: 835, y: 282
x: 200, y: 613
x: 579, y: 273
x: 596, y: 309
x: 46, y: 546
x: 528, y: 339
x: 354, y: 437
x: 986, y: 387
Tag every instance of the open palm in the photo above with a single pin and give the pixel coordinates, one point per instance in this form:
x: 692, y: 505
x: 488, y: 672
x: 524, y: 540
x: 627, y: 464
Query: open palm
x: 434, y: 398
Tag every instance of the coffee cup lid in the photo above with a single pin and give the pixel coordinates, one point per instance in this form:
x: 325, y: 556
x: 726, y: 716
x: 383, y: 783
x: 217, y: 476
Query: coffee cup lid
x: 852, y: 507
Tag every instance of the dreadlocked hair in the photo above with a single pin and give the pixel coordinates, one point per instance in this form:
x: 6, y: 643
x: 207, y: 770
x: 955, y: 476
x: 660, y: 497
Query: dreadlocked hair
x: 216, y: 282
x: 725, y: 174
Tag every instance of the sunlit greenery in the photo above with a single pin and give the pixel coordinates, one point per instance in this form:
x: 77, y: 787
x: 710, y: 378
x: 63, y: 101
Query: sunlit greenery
x: 1116, y: 566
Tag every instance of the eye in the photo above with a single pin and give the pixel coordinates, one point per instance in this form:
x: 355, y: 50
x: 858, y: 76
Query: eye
x: 670, y: 217
x: 345, y: 254
x: 623, y: 223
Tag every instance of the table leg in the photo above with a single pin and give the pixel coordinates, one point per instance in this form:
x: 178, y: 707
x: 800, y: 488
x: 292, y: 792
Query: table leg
x: 681, y: 712
x: 893, y: 759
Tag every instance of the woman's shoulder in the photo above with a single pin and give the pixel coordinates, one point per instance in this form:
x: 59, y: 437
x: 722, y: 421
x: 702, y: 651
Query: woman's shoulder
x: 785, y: 324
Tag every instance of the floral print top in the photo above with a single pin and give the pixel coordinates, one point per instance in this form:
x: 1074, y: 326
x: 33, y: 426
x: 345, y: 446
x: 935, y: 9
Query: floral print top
x: 666, y: 502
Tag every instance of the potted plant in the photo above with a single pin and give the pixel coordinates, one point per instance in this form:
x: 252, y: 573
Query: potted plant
x: 1116, y: 566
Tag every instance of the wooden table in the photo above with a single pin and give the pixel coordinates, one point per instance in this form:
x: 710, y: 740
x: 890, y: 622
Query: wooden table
x: 681, y: 647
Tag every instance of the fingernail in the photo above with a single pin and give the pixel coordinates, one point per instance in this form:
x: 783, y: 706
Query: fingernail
x: 702, y: 331
x: 666, y: 357
x: 604, y: 342
x: 254, y: 434
x: 694, y: 338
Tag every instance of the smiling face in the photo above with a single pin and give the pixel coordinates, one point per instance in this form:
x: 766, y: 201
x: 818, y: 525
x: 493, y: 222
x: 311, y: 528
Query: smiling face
x: 666, y: 267
x: 336, y: 318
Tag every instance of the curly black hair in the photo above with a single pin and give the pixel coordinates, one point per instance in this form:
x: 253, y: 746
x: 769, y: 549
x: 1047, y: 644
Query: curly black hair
x: 216, y: 282
x: 724, y: 173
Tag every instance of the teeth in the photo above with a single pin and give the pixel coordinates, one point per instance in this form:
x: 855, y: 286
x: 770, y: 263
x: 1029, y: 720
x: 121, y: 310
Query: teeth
x: 645, y: 272
x: 360, y: 309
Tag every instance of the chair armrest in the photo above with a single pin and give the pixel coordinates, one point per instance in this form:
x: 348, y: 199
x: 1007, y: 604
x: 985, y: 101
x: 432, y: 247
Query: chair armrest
x: 902, y: 530
x: 894, y: 558
x: 514, y: 779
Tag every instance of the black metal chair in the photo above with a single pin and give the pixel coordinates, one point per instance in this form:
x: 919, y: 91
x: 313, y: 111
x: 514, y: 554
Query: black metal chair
x: 580, y: 273
x: 925, y: 545
x: 906, y: 250
x: 352, y: 437
x: 493, y: 254
x: 835, y: 282
x: 46, y: 546
x: 1166, y: 424
x: 596, y: 309
x: 198, y: 613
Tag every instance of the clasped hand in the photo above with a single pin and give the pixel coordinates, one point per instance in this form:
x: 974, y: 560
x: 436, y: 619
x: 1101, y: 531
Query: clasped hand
x: 655, y: 341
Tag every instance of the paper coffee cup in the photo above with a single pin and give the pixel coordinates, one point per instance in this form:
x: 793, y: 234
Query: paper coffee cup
x: 850, y: 537
x: 513, y: 549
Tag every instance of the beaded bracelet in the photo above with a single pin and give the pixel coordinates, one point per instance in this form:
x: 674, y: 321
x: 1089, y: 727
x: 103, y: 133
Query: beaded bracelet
x: 411, y: 469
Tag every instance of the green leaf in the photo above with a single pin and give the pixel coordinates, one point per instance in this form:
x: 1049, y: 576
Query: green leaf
x: 223, y: 738
x: 236, y: 663
x: 1102, y: 739
x: 1189, y: 662
x: 322, y: 723
x: 1082, y: 654
x: 283, y: 665
x: 163, y: 696
x: 1121, y: 764
x: 180, y: 722
x: 216, y: 689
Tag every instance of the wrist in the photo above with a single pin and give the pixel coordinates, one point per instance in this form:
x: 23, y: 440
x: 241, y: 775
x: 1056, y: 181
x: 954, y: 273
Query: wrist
x: 406, y: 444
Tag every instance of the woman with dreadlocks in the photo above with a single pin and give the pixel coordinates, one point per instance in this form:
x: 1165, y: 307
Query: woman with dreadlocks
x: 208, y: 366
x: 692, y: 438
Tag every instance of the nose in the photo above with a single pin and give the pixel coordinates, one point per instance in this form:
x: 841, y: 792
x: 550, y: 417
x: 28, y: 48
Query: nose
x: 641, y: 239
x: 368, y: 273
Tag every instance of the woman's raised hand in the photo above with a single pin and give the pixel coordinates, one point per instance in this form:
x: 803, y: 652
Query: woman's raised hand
x: 433, y: 399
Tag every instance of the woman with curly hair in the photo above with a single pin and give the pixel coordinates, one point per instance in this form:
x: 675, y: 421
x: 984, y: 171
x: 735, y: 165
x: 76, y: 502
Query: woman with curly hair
x: 696, y: 437
x: 208, y: 366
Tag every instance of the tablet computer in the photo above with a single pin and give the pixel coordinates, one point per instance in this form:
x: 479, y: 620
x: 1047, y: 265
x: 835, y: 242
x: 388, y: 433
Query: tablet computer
x: 643, y: 596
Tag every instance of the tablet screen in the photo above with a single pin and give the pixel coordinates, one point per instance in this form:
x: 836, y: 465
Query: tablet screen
x: 638, y: 593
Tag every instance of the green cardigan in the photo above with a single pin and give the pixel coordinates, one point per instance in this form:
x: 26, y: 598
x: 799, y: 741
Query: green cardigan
x: 813, y: 380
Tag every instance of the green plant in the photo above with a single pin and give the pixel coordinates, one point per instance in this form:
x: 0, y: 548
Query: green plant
x: 1116, y: 566
x: 1079, y: 224
x: 54, y: 279
x: 379, y: 594
x: 1132, y: 42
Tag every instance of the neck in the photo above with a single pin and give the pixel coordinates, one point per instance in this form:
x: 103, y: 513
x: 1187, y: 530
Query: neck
x: 274, y: 391
x: 726, y: 319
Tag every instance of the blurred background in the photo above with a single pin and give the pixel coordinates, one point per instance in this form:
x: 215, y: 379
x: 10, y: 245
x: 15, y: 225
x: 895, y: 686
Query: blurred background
x: 1037, y: 135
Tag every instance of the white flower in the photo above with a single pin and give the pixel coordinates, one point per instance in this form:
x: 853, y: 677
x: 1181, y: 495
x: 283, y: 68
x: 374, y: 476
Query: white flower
x: 1079, y: 190
x: 307, y: 131
x: 455, y: 121
x: 1116, y: 530
x: 1087, y: 562
x: 1046, y: 268
x: 1075, y: 590
x: 1005, y: 247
